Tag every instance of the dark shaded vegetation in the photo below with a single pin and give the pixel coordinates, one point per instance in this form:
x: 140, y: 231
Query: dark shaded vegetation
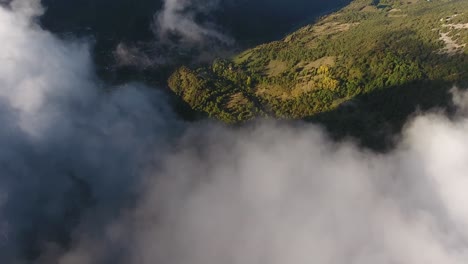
x: 376, y: 119
x: 109, y: 23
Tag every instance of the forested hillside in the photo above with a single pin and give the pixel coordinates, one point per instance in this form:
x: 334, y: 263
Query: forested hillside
x: 367, y: 47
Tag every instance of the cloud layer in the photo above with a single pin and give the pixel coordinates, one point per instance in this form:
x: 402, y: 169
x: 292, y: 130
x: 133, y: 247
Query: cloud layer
x: 68, y: 141
x: 97, y: 174
x: 281, y: 194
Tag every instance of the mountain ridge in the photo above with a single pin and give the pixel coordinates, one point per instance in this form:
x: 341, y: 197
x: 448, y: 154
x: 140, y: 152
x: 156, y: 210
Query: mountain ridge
x: 365, y: 47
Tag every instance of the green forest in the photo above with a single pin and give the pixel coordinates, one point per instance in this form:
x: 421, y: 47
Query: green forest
x: 365, y: 48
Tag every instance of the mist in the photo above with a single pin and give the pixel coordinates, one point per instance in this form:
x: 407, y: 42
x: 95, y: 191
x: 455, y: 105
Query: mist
x: 93, y: 173
x: 68, y: 141
x: 178, y: 16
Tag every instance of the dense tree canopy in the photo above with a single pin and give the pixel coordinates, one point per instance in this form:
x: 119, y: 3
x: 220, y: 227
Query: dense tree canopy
x: 365, y: 47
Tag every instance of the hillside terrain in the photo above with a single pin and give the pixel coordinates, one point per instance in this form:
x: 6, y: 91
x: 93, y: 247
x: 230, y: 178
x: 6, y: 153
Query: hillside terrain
x: 368, y: 47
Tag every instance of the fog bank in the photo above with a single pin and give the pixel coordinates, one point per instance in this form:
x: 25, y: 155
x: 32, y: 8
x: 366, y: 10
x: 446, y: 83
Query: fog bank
x: 98, y: 174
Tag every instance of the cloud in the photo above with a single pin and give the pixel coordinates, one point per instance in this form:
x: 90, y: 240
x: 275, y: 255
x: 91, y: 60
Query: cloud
x: 68, y: 141
x: 131, y: 56
x: 180, y: 37
x: 98, y: 174
x: 180, y: 17
x: 282, y: 194
x: 26, y: 9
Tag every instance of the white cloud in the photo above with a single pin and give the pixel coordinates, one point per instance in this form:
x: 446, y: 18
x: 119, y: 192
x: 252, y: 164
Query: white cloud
x: 95, y: 174
x: 179, y: 16
x: 68, y: 141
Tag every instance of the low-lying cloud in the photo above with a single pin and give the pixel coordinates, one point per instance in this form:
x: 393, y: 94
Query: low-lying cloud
x: 179, y: 33
x: 68, y: 142
x: 180, y: 17
x: 98, y: 174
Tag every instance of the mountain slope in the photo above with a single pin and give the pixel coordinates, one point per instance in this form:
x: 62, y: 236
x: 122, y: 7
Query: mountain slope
x: 365, y: 47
